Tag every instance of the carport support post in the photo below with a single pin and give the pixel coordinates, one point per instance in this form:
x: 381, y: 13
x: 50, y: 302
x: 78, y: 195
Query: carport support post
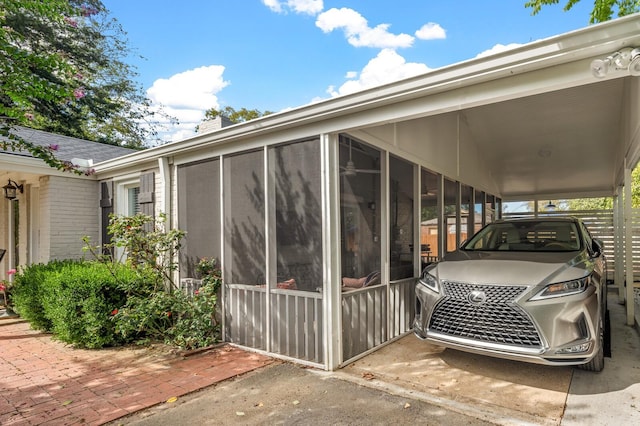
x: 628, y: 246
x: 618, y: 243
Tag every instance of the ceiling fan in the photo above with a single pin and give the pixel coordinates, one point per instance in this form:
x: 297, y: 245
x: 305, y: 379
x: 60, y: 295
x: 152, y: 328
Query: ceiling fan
x: 350, y: 168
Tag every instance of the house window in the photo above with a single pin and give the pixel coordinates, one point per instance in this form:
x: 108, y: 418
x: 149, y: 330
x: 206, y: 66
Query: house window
x: 132, y: 205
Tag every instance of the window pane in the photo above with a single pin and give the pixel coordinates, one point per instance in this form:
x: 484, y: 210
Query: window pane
x: 429, y: 216
x: 298, y: 215
x: 133, y: 207
x: 450, y: 212
x: 359, y: 204
x: 199, y: 213
x: 244, y: 231
x: 400, y: 219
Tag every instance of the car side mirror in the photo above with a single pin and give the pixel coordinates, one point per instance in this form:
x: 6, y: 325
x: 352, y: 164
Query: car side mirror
x: 597, y: 247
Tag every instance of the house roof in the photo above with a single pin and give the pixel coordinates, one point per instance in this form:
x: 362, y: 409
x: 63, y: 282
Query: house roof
x: 68, y: 148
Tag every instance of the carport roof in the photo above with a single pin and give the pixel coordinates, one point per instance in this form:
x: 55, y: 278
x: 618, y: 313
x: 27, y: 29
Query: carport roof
x: 543, y: 124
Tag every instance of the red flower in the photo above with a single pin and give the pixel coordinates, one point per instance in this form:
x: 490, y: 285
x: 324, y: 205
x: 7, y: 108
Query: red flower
x: 169, y: 314
x: 2, y: 287
x: 11, y: 271
x: 197, y: 292
x: 114, y: 312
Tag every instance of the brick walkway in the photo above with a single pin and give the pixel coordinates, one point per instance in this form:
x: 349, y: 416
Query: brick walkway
x: 43, y: 381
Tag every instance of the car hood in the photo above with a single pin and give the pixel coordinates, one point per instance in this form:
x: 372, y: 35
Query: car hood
x: 513, y: 268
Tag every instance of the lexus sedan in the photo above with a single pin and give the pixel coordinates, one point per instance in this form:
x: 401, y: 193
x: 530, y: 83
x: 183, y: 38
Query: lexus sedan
x: 529, y: 289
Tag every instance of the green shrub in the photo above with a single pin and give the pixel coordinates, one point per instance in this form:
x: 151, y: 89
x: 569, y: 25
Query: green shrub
x: 80, y: 300
x: 27, y: 290
x: 172, y: 317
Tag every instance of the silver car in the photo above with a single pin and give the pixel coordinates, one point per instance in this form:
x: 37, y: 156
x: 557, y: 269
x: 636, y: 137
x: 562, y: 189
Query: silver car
x: 524, y: 289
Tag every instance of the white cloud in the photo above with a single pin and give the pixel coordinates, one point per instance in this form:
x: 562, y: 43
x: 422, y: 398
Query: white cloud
x: 497, y: 49
x: 309, y: 7
x: 431, y: 31
x: 186, y: 96
x: 358, y: 32
x: 274, y: 5
x: 351, y: 74
x: 386, y: 67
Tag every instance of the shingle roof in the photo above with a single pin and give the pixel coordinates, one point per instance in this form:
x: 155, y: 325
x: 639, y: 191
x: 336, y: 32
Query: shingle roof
x: 68, y: 147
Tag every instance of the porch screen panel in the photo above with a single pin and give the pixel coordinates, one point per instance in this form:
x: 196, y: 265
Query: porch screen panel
x: 244, y: 269
x: 429, y: 227
x: 401, y: 229
x: 450, y: 212
x: 467, y: 216
x: 359, y: 208
x: 479, y: 210
x: 298, y: 215
x: 244, y: 219
x: 364, y: 295
x: 199, y: 214
x: 295, y: 299
x: 490, y: 208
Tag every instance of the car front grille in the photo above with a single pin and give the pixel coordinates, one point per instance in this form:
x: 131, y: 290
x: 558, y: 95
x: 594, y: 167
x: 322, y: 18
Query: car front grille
x: 494, y: 319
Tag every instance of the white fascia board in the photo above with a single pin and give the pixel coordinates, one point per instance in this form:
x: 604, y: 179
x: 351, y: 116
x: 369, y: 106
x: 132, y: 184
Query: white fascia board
x: 576, y: 46
x: 35, y: 166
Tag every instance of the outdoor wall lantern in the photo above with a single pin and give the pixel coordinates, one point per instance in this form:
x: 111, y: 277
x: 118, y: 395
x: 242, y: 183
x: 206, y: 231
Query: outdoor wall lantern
x: 624, y: 59
x: 10, y: 190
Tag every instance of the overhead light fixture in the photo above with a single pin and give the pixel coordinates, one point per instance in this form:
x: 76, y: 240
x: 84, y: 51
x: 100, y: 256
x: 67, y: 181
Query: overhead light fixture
x: 550, y: 206
x: 625, y: 59
x: 11, y: 190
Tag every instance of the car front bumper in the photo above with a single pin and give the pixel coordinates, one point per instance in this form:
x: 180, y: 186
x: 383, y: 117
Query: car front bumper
x: 556, y: 331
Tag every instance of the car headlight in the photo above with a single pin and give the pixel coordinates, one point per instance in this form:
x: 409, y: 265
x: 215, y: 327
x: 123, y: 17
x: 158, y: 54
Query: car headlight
x: 565, y: 288
x: 429, y: 281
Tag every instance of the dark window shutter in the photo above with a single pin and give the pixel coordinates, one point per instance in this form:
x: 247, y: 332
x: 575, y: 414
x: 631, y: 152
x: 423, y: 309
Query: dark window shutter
x: 146, y: 197
x: 106, y: 207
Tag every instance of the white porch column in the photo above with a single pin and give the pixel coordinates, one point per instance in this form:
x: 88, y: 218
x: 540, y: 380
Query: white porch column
x: 628, y: 246
x: 331, y: 286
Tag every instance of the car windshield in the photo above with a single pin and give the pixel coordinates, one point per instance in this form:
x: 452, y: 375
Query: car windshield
x: 528, y: 235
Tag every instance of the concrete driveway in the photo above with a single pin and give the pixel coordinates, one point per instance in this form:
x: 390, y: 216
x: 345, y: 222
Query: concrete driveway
x: 413, y: 382
x: 509, y: 391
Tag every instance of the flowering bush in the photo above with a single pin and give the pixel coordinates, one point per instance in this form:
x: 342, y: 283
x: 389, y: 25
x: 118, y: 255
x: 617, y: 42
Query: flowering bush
x: 157, y: 310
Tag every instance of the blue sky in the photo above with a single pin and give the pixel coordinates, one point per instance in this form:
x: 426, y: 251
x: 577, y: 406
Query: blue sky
x: 279, y: 54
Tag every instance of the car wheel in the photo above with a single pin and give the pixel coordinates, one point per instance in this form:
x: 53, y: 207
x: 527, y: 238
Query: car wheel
x: 597, y: 362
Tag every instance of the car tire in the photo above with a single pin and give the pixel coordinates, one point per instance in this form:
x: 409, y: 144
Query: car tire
x: 596, y: 364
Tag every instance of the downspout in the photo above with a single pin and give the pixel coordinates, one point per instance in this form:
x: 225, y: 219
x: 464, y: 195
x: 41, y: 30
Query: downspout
x: 164, y: 165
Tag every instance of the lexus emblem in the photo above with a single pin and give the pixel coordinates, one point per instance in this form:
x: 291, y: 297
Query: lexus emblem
x: 477, y: 297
